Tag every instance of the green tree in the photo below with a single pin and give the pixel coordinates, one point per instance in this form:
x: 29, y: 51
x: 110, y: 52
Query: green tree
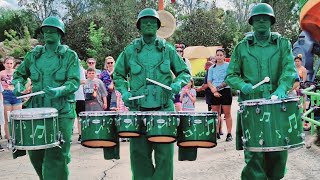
x: 16, y: 20
x: 16, y: 46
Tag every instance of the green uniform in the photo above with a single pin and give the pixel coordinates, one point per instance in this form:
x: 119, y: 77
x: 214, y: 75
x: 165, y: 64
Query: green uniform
x: 155, y: 61
x: 250, y: 63
x: 53, y: 70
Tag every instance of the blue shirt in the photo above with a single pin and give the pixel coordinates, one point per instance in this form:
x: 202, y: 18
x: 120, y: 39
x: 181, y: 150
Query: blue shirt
x: 217, y: 74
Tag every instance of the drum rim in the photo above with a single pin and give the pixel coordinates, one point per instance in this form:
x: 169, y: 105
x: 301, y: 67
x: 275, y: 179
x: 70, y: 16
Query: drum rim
x: 276, y: 148
x: 114, y: 141
x: 17, y: 117
x: 263, y: 101
x: 98, y: 113
x: 37, y: 113
x: 47, y: 146
x: 196, y: 113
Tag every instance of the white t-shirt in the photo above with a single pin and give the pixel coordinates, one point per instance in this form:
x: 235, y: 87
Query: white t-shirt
x: 79, y: 94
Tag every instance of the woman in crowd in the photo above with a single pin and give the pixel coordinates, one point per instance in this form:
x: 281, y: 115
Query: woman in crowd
x: 106, y: 77
x: 222, y: 96
x: 10, y: 101
x: 188, y: 97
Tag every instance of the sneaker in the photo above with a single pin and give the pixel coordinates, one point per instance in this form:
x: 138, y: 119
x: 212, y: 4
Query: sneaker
x: 218, y: 136
x: 1, y: 148
x: 229, y: 137
x: 79, y: 139
x: 221, y: 133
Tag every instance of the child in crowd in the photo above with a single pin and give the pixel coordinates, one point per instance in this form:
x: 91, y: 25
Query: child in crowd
x: 188, y: 97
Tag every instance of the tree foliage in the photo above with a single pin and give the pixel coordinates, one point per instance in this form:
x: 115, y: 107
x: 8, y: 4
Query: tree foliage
x: 16, y: 46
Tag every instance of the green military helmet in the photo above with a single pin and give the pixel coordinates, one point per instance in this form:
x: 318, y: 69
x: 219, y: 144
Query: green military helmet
x: 54, y: 21
x: 262, y: 9
x: 148, y: 12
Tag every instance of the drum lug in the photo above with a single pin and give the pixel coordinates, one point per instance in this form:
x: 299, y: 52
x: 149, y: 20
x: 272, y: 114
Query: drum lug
x: 303, y: 136
x: 283, y: 107
x: 135, y: 121
x: 60, y: 138
x: 244, y: 140
x: 151, y: 121
x: 169, y: 124
x: 287, y: 140
x: 240, y: 110
x: 258, y: 110
x: 261, y: 142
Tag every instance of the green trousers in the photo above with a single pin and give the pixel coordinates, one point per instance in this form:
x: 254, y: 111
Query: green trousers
x: 53, y: 163
x: 141, y: 160
x: 264, y: 165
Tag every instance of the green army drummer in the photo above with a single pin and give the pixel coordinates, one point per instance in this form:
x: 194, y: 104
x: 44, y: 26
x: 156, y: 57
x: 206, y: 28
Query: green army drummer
x: 262, y: 54
x: 55, y: 69
x: 150, y: 57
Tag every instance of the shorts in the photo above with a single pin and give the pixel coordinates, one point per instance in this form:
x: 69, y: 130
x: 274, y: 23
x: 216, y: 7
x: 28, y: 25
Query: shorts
x: 225, y: 99
x: 9, y: 98
x: 80, y: 106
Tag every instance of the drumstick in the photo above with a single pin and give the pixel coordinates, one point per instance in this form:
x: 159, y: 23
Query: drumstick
x: 136, y: 97
x: 266, y: 79
x: 159, y: 84
x: 37, y: 93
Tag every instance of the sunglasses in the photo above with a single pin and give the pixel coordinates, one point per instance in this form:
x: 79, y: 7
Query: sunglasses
x: 91, y: 62
x: 109, y: 62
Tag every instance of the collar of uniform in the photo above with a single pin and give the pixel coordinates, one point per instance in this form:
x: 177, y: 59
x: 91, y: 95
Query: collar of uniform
x: 255, y: 41
x: 159, y: 43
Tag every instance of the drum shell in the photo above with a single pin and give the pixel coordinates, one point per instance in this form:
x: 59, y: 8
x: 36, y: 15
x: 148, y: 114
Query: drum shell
x: 34, y: 128
x: 129, y: 124
x: 197, y: 130
x: 161, y: 127
x: 272, y: 126
x: 98, y: 129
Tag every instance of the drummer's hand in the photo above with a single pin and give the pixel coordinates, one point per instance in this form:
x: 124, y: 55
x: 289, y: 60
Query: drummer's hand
x: 280, y: 92
x: 175, y: 88
x: 126, y: 96
x: 53, y: 92
x: 247, y: 89
x: 16, y: 91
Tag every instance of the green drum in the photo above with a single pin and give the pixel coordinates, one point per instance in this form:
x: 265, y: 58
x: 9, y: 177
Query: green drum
x: 98, y: 129
x: 197, y: 129
x: 271, y: 125
x: 129, y: 124
x: 34, y: 129
x: 161, y: 126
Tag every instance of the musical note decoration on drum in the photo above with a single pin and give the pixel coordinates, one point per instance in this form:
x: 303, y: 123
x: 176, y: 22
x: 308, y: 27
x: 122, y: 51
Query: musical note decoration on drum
x: 98, y: 129
x: 276, y: 127
x: 35, y: 128
x: 197, y: 129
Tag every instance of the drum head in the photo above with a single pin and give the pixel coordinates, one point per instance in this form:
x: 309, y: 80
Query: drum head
x: 263, y: 101
x: 34, y: 113
x: 97, y: 113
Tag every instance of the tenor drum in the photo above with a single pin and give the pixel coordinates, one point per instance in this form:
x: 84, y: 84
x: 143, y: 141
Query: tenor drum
x: 161, y: 126
x: 129, y: 124
x: 34, y: 128
x: 197, y: 129
x: 98, y: 129
x: 271, y: 125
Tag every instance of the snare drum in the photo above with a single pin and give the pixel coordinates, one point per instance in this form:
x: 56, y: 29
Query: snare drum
x: 161, y: 126
x: 197, y: 129
x: 128, y: 124
x: 271, y: 125
x: 35, y: 128
x: 98, y: 129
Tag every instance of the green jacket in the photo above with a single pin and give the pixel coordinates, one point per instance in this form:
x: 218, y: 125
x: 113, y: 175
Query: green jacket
x: 158, y: 61
x: 248, y: 65
x: 67, y: 74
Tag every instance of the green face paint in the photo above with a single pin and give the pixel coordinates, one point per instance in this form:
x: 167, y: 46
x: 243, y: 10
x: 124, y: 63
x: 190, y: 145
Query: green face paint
x: 148, y: 26
x: 51, y: 35
x: 261, y: 23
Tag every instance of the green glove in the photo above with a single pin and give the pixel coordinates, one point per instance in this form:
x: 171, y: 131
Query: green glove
x: 125, y: 98
x: 280, y: 92
x: 18, y: 88
x: 54, y: 92
x: 176, y: 87
x: 247, y: 89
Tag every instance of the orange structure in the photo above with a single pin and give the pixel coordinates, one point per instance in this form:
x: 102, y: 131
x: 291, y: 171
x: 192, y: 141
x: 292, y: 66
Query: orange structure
x: 310, y: 19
